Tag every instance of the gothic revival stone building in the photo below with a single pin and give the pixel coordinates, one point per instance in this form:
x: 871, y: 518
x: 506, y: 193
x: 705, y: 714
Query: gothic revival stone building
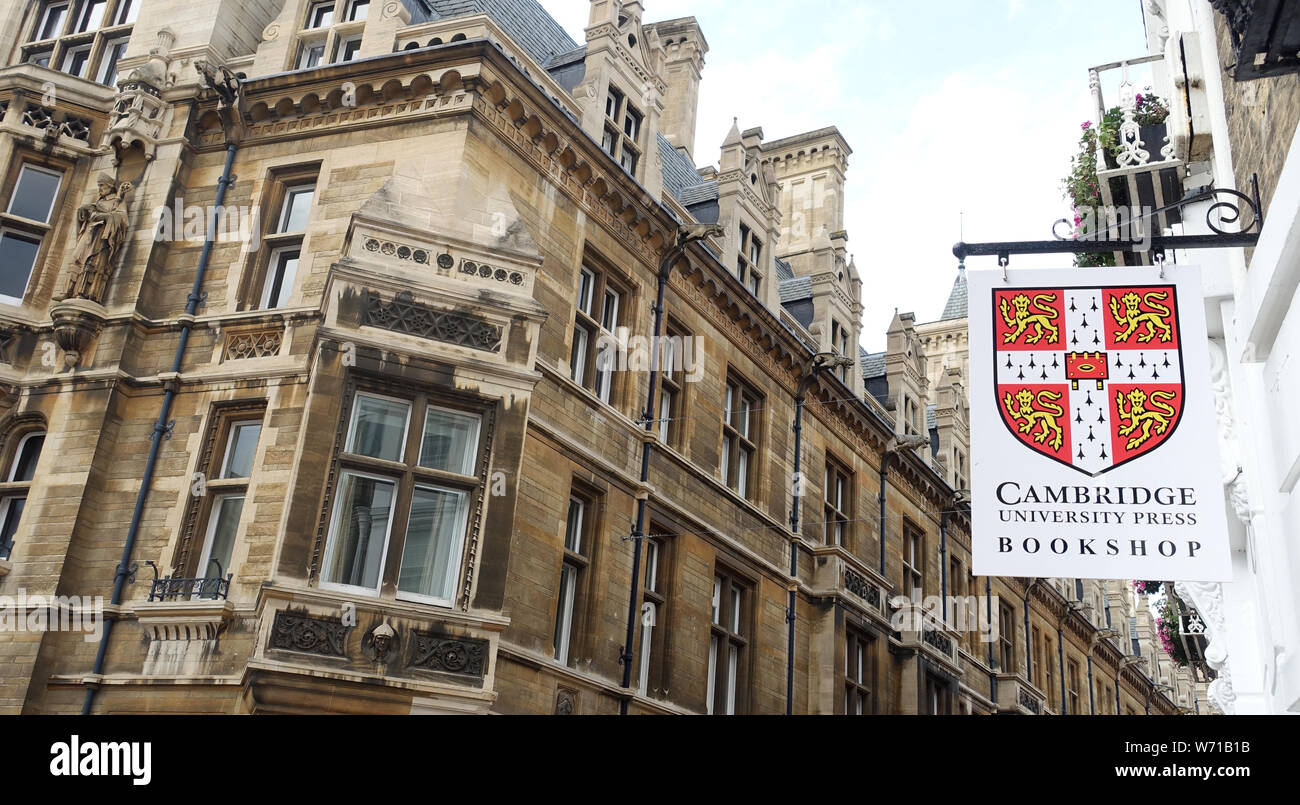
x: 339, y: 279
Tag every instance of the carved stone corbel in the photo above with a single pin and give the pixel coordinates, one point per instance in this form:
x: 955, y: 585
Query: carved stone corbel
x: 77, y: 323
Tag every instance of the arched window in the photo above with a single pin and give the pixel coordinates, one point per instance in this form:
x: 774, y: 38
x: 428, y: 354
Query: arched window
x: 17, y: 483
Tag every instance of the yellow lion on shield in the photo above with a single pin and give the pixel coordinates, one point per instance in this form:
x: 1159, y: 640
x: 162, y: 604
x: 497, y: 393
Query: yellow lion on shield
x: 1137, y: 415
x: 1133, y: 316
x: 1031, y: 411
x: 1020, y: 320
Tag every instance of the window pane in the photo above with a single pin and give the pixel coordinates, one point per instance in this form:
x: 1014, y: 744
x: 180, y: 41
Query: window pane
x: 279, y: 279
x: 609, y: 314
x: 29, y: 453
x: 713, y: 672
x: 349, y: 49
x: 108, y: 67
x: 13, y: 514
x: 52, y: 23
x: 652, y: 566
x: 358, y: 10
x: 33, y: 197
x: 320, y: 15
x: 717, y: 599
x: 74, y: 61
x: 647, y: 641
x: 378, y: 428
x: 665, y: 413
x: 243, y: 443
x: 221, y: 536
x: 431, y: 556
x: 742, y: 472
x: 733, y: 660
x: 364, y: 510
x: 573, y: 526
x: 126, y: 11
x: 735, y: 610
x: 92, y: 16
x: 564, y: 612
x: 297, y: 205
x: 586, y: 283
x: 450, y: 441
x: 578, y: 357
x: 17, y: 256
x: 311, y: 56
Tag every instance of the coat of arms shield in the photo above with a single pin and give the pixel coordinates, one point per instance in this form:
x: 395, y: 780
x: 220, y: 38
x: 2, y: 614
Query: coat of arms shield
x: 1091, y: 377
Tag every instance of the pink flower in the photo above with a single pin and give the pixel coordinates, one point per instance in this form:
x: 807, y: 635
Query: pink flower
x: 1087, y: 124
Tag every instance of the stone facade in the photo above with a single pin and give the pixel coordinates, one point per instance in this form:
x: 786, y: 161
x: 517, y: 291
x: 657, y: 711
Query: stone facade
x: 384, y: 409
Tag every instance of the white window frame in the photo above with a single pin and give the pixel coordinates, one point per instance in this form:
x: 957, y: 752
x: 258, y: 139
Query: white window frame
x: 290, y: 191
x: 214, y: 516
x: 40, y: 242
x: 569, y: 581
x: 105, y: 62
x: 331, y: 543
x: 83, y: 16
x: 45, y: 17
x: 352, y: 10
x: 453, y: 568
x: 312, y: 10
x: 478, y: 430
x: 230, y: 443
x: 69, y: 53
x: 126, y: 12
x: 352, y: 424
x: 27, y: 166
x: 340, y: 49
x: 305, y: 48
x: 286, y: 284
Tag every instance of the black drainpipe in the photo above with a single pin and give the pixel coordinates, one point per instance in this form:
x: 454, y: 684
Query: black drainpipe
x: 884, y: 471
x: 649, y: 418
x: 1029, y: 646
x: 943, y: 562
x: 1060, y: 653
x: 161, y: 428
x: 1092, y: 705
x: 794, y: 543
x: 988, y: 606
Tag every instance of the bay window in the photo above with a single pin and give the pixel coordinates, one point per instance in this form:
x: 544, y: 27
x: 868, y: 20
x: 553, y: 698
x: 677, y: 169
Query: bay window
x: 406, y: 480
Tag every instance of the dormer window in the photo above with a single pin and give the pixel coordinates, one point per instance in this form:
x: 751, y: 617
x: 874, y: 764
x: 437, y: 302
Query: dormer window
x: 750, y: 250
x: 331, y: 33
x: 84, y: 39
x: 621, y: 137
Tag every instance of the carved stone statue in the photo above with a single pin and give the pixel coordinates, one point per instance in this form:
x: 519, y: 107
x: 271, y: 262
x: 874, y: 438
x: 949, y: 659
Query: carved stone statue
x: 101, y: 231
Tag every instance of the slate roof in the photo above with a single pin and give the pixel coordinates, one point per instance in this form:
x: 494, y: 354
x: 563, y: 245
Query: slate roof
x: 957, y: 299
x: 795, y: 288
x: 679, y: 173
x: 783, y: 270
x: 698, y: 194
x: 525, y: 21
x: 873, y: 363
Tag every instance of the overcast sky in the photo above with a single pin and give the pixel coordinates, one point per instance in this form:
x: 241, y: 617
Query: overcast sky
x: 950, y: 106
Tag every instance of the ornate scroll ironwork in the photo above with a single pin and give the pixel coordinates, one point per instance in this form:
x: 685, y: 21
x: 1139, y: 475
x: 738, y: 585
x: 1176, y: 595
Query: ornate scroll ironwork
x: 857, y: 584
x: 451, y: 655
x: 1226, y: 211
x: 307, y: 634
x: 405, y: 315
x: 170, y: 588
x: 937, y: 640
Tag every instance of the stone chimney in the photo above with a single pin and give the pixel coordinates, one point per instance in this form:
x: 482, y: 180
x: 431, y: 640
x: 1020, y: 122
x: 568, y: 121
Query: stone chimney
x: 685, y: 46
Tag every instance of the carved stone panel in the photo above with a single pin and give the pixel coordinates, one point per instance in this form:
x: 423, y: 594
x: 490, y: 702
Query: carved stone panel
x: 405, y: 315
x: 296, y: 632
x: 450, y: 655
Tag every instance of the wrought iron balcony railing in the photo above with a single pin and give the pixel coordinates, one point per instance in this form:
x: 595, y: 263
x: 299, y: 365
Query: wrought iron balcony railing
x: 173, y: 588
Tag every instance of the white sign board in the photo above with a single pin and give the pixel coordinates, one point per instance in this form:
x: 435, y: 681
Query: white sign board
x: 1093, y: 439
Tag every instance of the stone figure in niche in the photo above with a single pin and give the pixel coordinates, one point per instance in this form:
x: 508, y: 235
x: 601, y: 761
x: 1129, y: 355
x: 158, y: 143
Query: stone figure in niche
x: 101, y: 231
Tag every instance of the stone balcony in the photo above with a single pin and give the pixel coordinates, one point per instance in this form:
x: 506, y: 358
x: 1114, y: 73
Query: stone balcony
x: 1016, y: 696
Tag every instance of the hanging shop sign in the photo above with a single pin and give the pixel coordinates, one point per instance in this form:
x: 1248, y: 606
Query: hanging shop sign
x: 1093, y: 438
